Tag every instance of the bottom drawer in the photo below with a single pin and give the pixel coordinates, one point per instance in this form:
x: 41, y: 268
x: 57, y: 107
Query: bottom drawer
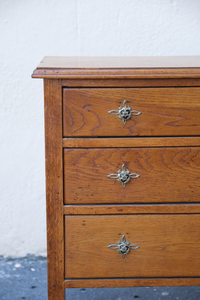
x: 168, y: 246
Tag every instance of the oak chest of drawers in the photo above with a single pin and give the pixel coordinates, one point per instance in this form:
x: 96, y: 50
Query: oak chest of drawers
x: 122, y: 140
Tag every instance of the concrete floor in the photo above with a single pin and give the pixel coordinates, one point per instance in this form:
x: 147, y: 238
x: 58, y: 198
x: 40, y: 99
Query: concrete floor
x: 25, y: 278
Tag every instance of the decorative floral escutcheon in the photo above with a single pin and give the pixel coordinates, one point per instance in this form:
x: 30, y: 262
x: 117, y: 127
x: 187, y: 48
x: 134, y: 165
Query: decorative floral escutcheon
x: 123, y: 175
x: 123, y: 246
x: 124, y: 112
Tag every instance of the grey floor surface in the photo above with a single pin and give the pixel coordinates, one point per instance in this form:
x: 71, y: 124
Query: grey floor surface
x: 26, y: 279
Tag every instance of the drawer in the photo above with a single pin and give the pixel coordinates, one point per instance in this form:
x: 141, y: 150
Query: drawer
x: 164, y: 111
x: 168, y: 246
x: 167, y: 174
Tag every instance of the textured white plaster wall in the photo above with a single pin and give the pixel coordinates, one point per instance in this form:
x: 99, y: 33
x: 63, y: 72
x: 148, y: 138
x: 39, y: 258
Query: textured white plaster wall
x: 30, y: 30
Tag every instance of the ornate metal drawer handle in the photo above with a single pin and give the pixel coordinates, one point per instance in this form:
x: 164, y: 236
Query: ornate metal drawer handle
x: 123, y: 246
x: 124, y: 112
x: 123, y: 176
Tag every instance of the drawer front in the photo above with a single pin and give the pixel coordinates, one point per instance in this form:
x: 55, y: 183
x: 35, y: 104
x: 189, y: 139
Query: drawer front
x: 166, y: 175
x: 168, y: 246
x: 164, y: 111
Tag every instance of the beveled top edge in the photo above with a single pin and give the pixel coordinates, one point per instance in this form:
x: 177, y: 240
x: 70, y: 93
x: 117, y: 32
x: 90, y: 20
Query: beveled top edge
x: 145, y: 62
x: 118, y: 67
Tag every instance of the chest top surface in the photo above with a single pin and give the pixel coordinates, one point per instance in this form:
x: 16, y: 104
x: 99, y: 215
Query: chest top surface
x: 170, y: 66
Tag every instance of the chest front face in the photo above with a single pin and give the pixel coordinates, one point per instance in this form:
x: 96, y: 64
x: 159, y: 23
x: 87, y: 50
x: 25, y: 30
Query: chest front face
x: 122, y: 175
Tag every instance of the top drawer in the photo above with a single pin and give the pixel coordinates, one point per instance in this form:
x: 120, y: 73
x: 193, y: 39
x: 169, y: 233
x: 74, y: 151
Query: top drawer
x: 164, y: 111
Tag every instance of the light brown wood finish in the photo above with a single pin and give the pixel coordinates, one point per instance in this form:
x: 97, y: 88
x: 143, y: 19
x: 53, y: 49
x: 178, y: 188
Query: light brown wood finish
x: 54, y: 189
x: 168, y: 97
x: 165, y: 112
x: 116, y: 74
x: 169, y: 246
x: 130, y: 142
x: 91, y: 283
x: 118, y: 67
x: 131, y: 209
x: 158, y: 82
x: 166, y: 175
x: 81, y: 62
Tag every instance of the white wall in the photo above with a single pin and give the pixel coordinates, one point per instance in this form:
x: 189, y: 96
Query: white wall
x: 31, y: 29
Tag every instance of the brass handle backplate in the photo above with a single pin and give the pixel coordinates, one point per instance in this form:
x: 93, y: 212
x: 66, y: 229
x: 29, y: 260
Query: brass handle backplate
x: 124, y: 112
x: 123, y: 176
x: 123, y: 246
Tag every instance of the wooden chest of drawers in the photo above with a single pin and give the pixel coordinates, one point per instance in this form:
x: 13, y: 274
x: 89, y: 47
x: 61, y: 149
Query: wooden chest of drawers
x: 122, y: 140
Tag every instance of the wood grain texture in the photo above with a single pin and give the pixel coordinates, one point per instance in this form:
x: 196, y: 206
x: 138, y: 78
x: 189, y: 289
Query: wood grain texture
x: 118, y: 67
x: 100, y: 283
x: 54, y: 189
x: 86, y: 62
x: 116, y: 73
x: 157, y: 82
x: 167, y: 92
x: 130, y: 142
x: 169, y: 246
x: 165, y: 112
x: 131, y: 209
x: 167, y: 175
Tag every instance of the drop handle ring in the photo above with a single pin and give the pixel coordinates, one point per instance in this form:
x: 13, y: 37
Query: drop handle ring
x: 123, y: 175
x: 124, y: 112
